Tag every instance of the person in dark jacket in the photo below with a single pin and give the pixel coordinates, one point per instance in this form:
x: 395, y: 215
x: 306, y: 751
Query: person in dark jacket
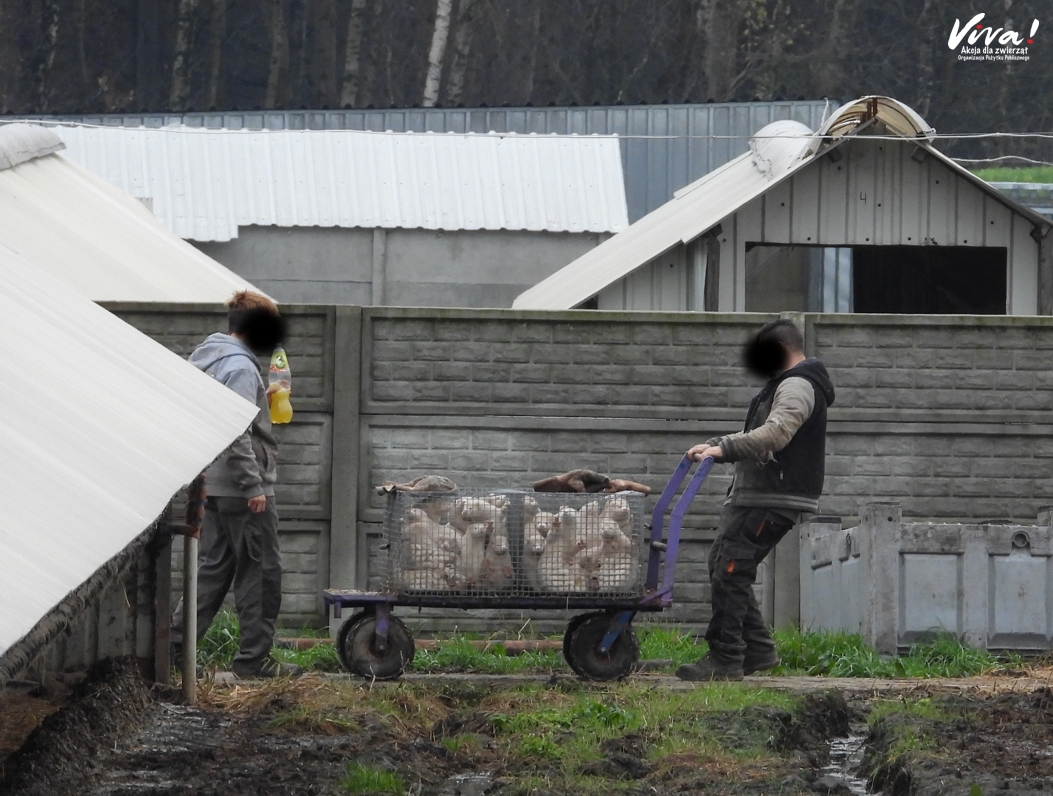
x: 779, y: 461
x: 239, y: 535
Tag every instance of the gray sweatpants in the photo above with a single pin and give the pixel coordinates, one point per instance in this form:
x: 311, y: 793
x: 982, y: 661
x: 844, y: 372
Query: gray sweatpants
x: 239, y: 549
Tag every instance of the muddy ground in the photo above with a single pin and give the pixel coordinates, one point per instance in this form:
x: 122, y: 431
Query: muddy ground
x: 119, y: 737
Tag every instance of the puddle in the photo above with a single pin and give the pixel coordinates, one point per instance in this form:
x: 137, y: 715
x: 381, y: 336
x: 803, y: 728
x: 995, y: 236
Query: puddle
x: 467, y: 785
x: 846, y: 755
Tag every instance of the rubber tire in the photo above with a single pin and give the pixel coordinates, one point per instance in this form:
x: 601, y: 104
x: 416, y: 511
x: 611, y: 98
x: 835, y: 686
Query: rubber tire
x: 573, y: 625
x: 342, y: 633
x: 358, y: 649
x: 584, y: 642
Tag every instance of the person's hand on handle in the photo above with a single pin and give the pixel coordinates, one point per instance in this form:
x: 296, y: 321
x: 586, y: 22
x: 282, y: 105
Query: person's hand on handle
x: 258, y: 504
x: 703, y: 451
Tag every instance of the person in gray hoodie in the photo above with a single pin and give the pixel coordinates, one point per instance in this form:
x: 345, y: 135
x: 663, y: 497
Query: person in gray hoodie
x: 239, y: 536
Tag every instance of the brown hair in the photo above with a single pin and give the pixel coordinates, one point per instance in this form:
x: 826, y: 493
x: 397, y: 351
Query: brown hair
x: 248, y: 300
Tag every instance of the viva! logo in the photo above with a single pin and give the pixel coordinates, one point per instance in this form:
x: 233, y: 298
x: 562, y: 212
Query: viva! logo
x: 976, y: 30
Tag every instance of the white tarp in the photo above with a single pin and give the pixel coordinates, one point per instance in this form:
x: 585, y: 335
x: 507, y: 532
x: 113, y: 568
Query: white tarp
x: 99, y: 427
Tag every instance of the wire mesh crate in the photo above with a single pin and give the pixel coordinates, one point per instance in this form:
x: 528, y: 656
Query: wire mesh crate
x: 514, y: 543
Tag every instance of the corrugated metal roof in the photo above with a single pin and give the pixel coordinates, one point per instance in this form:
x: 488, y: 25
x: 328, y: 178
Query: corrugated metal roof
x: 96, y: 239
x: 206, y: 184
x: 776, y: 152
x: 664, y: 147
x: 99, y: 427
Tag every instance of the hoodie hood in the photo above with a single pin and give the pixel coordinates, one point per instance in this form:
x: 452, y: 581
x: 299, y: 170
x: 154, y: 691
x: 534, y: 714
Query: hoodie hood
x: 218, y: 347
x: 816, y: 372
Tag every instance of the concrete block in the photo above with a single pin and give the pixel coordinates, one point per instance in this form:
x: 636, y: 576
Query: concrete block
x: 511, y: 352
x: 508, y: 394
x: 595, y: 355
x: 660, y: 334
x: 471, y: 392
x: 490, y: 440
x: 454, y: 330
x: 551, y: 353
x: 405, y: 329
x: 530, y: 374
x: 452, y: 371
x: 424, y: 391
x: 532, y: 332
x: 466, y: 352
x: 391, y: 391
x: 578, y: 334
x: 490, y: 372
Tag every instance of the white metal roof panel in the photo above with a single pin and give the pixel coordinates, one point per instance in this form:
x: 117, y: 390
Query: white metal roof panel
x: 777, y: 151
x: 204, y: 184
x: 92, y: 236
x: 99, y: 427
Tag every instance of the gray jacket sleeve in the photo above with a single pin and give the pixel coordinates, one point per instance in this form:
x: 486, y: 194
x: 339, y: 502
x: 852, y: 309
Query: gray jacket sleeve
x: 240, y: 459
x: 792, y: 404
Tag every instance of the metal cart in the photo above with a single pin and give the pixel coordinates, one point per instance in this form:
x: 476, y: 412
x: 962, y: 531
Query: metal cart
x: 599, y: 644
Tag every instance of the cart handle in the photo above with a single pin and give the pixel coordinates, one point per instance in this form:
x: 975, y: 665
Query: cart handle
x: 679, y: 510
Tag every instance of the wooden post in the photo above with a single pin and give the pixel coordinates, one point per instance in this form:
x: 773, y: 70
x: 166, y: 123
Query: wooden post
x: 190, y: 619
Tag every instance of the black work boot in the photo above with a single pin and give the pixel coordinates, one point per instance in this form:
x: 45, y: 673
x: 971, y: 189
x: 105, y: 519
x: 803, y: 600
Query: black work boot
x: 760, y: 661
x: 708, y: 669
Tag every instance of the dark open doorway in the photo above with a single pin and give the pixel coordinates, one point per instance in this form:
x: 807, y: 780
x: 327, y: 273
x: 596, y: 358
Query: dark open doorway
x: 930, y: 280
x: 925, y: 280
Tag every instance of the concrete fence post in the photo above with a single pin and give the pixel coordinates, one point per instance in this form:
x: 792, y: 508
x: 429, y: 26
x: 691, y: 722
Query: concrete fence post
x: 882, y: 521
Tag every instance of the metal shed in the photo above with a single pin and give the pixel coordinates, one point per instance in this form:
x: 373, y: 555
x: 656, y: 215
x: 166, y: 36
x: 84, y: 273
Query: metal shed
x: 863, y: 215
x: 363, y: 217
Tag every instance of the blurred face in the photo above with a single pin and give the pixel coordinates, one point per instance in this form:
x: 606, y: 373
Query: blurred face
x: 261, y: 330
x: 765, y: 357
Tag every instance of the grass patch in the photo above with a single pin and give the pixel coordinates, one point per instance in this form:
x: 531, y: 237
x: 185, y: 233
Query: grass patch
x: 569, y: 729
x: 366, y: 779
x: 1016, y: 174
x: 824, y: 653
x: 457, y: 654
x: 220, y: 644
x: 838, y: 654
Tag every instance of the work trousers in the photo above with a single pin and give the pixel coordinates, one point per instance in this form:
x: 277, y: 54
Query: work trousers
x: 745, y: 538
x: 239, y: 549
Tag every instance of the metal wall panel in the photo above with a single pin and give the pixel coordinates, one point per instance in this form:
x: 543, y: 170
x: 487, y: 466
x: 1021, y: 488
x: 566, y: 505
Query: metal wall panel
x: 653, y: 168
x: 898, y: 583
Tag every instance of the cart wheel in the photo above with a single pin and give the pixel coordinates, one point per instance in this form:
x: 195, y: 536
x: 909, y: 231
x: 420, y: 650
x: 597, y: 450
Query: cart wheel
x: 583, y: 641
x: 568, y: 655
x: 359, y: 649
x: 342, y: 633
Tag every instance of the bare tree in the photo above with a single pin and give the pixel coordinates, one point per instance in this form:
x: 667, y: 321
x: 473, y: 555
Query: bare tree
x: 353, y: 54
x: 278, y: 65
x: 180, y: 86
x: 51, y: 40
x: 437, y: 53
x: 323, y: 53
x: 217, y: 34
x: 462, y: 46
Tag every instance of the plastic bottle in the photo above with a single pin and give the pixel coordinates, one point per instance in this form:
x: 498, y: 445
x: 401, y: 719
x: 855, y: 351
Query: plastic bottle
x: 281, y: 407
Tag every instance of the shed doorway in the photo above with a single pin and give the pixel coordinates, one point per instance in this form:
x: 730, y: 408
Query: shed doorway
x: 922, y: 280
